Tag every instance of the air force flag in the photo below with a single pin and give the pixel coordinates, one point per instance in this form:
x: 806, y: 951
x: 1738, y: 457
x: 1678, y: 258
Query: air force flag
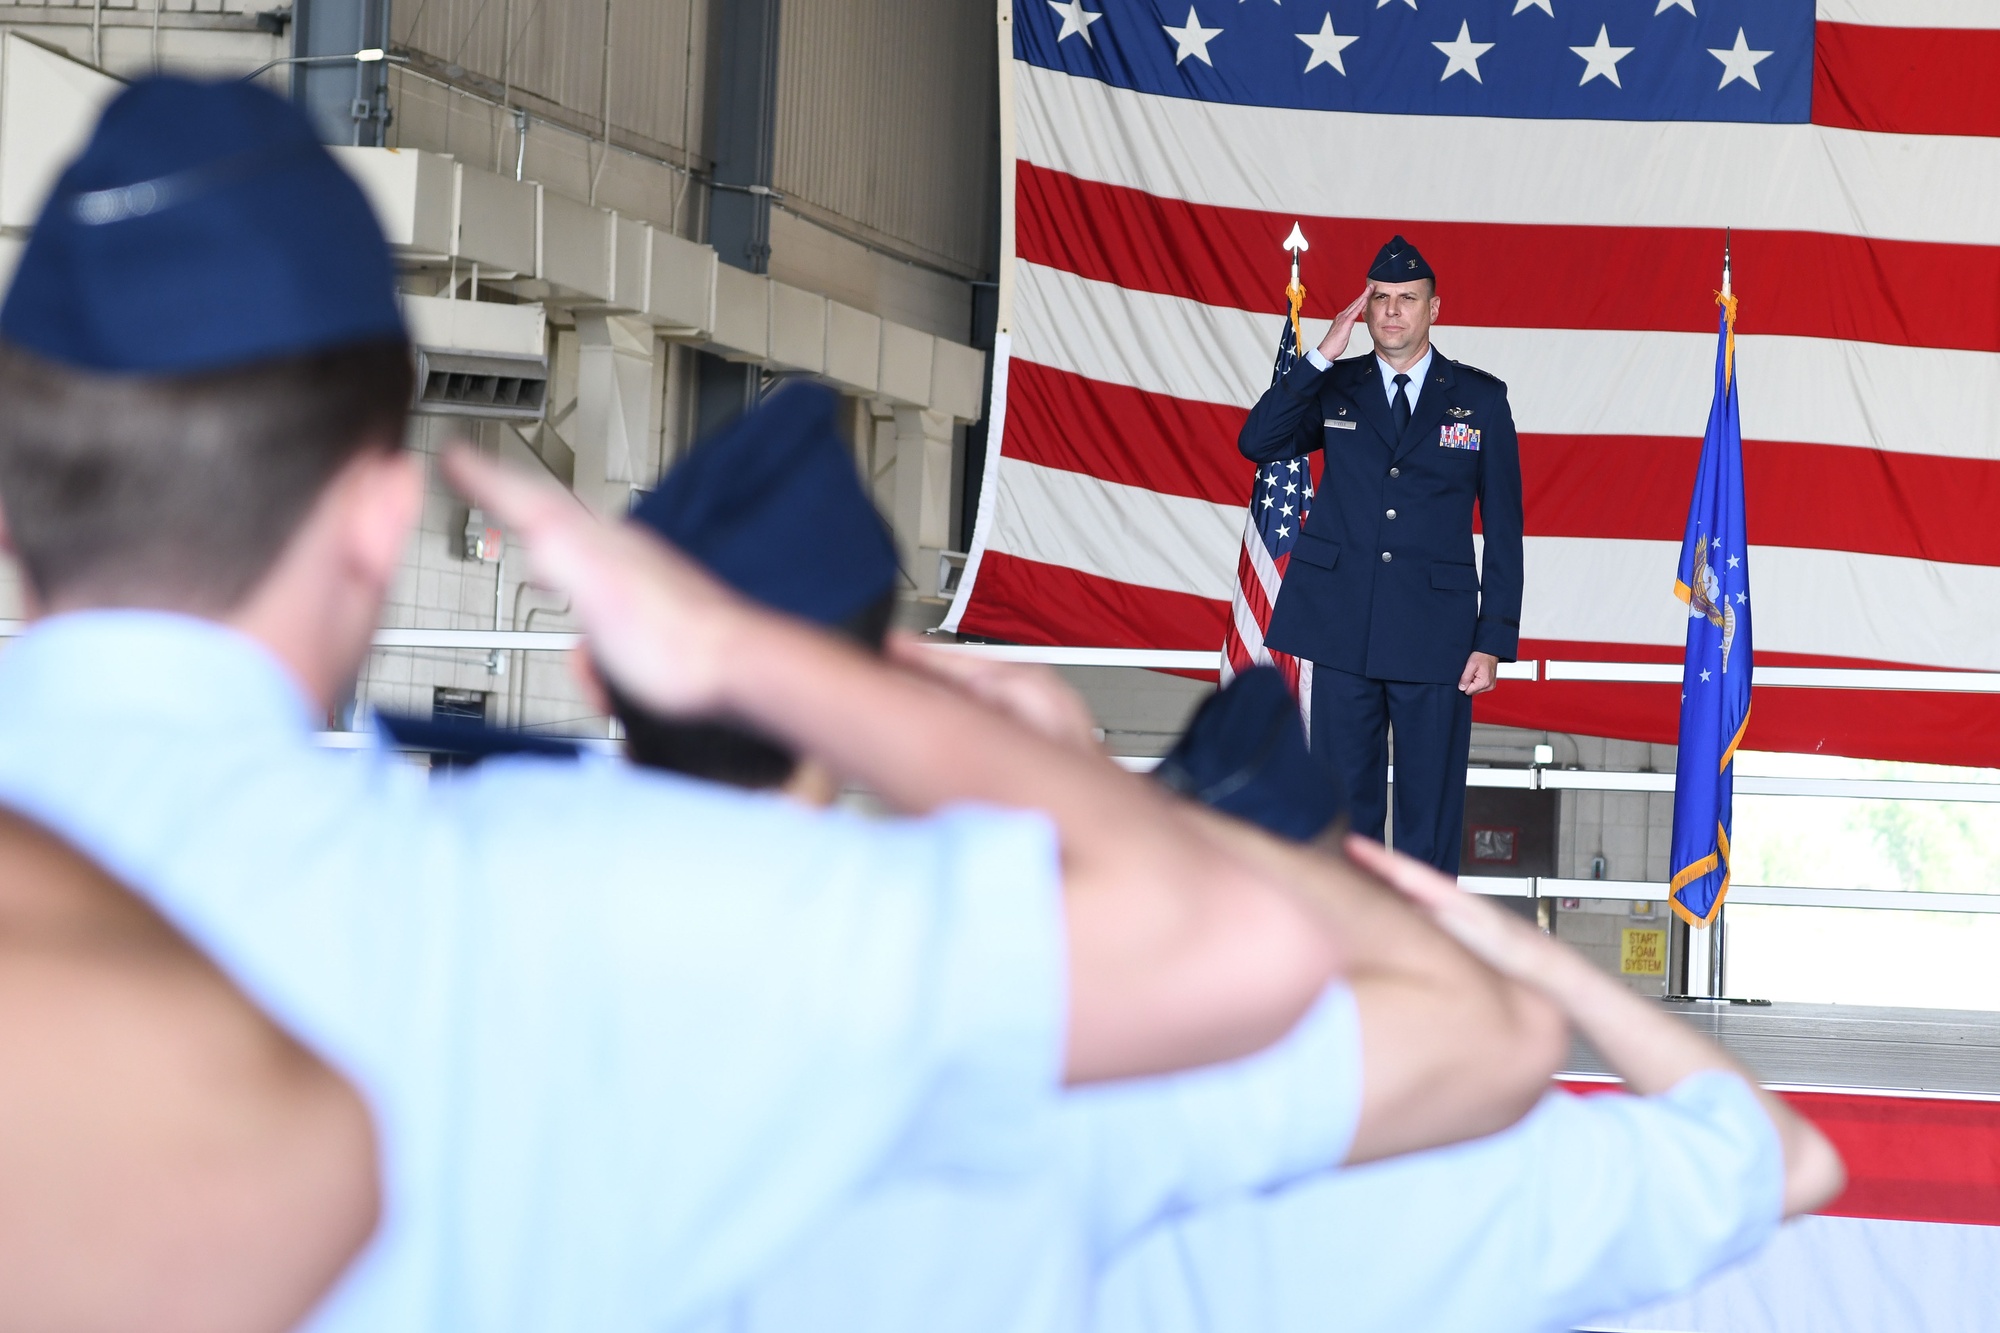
x: 1714, y: 581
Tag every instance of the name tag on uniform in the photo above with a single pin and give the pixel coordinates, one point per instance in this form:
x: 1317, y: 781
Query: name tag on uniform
x: 1459, y: 436
x: 1332, y: 424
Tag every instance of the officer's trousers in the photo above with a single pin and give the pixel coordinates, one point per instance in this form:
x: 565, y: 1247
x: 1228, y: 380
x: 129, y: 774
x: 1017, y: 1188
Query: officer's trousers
x: 1351, y: 720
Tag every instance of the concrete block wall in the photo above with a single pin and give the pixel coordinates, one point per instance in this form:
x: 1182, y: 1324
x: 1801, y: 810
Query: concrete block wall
x: 1595, y: 927
x: 439, y: 588
x: 1632, y: 831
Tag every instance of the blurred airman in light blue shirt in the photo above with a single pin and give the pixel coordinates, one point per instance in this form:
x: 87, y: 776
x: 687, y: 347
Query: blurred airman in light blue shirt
x: 624, y: 1037
x: 1216, y: 1202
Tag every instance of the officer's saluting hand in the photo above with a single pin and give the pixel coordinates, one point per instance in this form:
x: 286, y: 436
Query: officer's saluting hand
x: 1334, y: 345
x: 1386, y: 594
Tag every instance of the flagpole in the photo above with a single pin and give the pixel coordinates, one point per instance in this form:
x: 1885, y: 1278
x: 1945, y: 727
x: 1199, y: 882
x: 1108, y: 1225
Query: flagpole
x: 1713, y: 931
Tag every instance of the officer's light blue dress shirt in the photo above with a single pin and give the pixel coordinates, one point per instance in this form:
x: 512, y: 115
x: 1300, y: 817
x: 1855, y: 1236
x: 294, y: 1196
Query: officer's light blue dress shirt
x: 1021, y: 1253
x: 1211, y: 1203
x: 626, y: 1038
x: 1589, y: 1206
x: 1414, y: 389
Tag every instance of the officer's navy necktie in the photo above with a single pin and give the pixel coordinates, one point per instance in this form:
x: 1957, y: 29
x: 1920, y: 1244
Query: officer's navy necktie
x: 1402, y: 403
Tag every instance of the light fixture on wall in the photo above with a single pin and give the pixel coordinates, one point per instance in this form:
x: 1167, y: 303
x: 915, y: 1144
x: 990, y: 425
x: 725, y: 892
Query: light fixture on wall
x: 369, y: 55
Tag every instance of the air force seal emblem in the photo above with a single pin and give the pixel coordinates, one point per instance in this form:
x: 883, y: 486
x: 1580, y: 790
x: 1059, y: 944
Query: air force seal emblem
x: 1706, y: 599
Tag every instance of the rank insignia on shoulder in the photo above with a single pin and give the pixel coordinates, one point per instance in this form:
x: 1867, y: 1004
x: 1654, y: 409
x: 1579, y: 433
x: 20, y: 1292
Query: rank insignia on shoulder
x: 1459, y: 437
x: 1460, y: 412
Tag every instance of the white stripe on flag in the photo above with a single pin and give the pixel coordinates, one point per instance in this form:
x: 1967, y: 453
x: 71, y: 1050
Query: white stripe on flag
x: 1911, y: 13
x: 1306, y: 696
x: 989, y: 486
x: 1599, y: 590
x: 1116, y: 531
x: 1608, y: 173
x: 1559, y: 381
x: 1253, y: 637
x: 1830, y: 603
x: 1241, y: 615
x: 1260, y: 560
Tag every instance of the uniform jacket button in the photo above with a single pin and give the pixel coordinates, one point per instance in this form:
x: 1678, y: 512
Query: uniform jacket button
x: 1392, y: 513
x: 1386, y: 557
x: 1395, y: 472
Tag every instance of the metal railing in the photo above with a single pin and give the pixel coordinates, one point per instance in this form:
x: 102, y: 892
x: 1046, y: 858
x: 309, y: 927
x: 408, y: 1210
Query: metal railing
x: 1534, y: 778
x: 1740, y: 895
x: 1164, y: 659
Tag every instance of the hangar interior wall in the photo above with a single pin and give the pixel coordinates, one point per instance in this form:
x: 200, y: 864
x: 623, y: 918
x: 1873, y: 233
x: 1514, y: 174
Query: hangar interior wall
x: 885, y: 164
x: 885, y: 159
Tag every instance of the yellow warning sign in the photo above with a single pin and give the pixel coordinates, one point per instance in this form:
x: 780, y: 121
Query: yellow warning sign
x: 1643, y: 952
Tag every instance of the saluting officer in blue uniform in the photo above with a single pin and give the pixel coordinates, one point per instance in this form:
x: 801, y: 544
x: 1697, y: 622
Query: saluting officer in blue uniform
x: 1386, y: 594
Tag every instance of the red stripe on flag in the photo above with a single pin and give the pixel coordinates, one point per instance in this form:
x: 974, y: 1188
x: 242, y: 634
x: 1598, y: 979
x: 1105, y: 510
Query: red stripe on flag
x: 1825, y: 497
x: 1249, y: 602
x: 1173, y: 445
x: 1925, y: 727
x: 1498, y: 275
x: 1253, y: 587
x: 1917, y: 1159
x: 1905, y: 80
x: 1026, y: 601
x: 1909, y: 1159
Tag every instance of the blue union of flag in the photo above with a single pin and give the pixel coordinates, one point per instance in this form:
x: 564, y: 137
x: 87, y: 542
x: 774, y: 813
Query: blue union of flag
x: 1714, y: 581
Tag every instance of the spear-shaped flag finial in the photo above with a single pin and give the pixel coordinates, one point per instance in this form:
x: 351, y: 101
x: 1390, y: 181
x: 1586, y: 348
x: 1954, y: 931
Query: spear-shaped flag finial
x: 1294, y: 291
x: 1296, y: 242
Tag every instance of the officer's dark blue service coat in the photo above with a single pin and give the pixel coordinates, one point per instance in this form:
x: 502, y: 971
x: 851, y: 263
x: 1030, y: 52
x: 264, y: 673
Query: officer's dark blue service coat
x: 1382, y: 582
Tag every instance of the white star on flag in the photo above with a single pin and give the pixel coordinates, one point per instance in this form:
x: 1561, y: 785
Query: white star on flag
x: 1326, y: 46
x: 1732, y: 561
x: 1665, y: 5
x: 1291, y: 489
x: 1284, y: 532
x: 1411, y: 3
x: 1462, y: 54
x: 1309, y: 492
x: 1192, y: 40
x: 1739, y: 62
x: 1286, y: 510
x: 1742, y: 597
x: 1601, y: 60
x: 1704, y: 675
x: 1542, y: 5
x: 1293, y: 465
x: 1267, y: 502
x: 1076, y: 19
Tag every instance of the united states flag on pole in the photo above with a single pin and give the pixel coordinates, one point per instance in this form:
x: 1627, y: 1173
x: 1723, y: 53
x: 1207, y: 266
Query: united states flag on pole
x: 1279, y: 503
x: 1568, y: 166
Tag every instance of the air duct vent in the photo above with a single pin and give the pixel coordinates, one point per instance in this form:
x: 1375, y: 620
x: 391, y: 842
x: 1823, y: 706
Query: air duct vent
x: 466, y: 384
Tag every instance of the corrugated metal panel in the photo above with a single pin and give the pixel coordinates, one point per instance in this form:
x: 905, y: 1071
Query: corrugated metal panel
x: 559, y: 53
x: 887, y: 111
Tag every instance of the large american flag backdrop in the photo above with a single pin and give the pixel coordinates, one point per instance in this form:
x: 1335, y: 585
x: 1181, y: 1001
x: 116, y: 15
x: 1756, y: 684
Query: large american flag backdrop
x: 1568, y: 167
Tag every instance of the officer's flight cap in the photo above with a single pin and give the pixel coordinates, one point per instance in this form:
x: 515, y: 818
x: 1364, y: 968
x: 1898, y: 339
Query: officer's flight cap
x: 774, y: 507
x: 1399, y: 261
x: 203, y: 228
x: 1245, y: 754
